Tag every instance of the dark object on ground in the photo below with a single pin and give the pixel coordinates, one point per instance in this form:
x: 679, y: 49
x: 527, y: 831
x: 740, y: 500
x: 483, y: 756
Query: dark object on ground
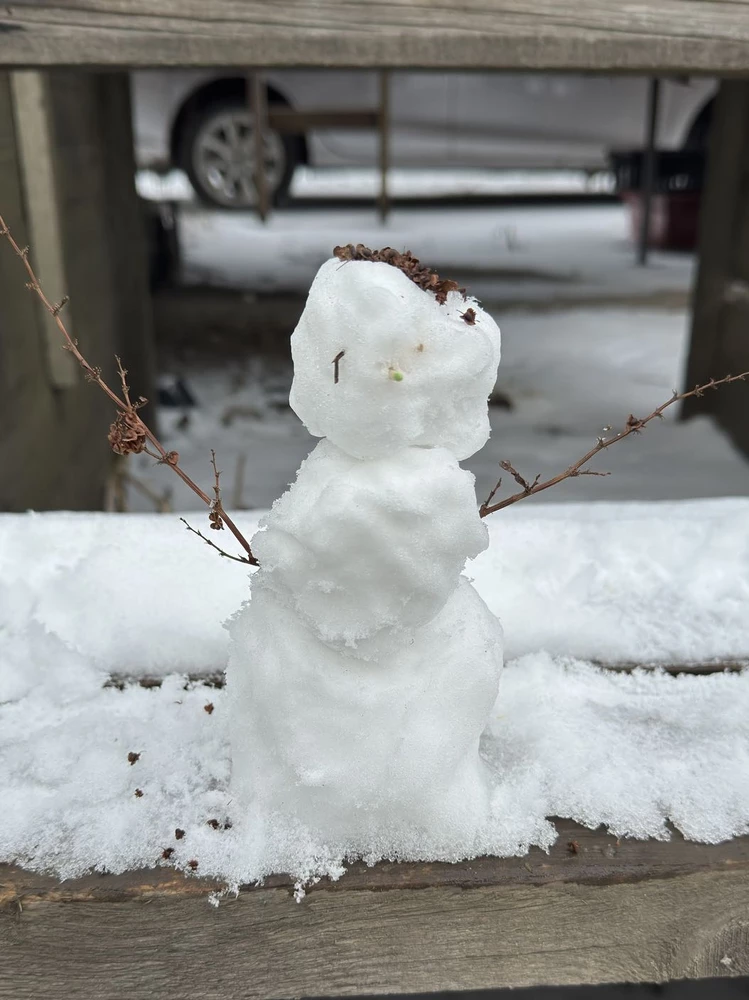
x: 161, y: 241
x: 173, y: 391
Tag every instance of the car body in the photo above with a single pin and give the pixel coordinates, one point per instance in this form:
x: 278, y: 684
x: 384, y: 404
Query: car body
x: 457, y: 119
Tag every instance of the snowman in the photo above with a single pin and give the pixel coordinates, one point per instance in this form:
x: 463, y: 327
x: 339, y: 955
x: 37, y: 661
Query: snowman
x: 364, y: 669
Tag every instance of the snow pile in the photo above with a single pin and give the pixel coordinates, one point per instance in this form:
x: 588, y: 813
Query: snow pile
x: 631, y: 751
x: 363, y: 671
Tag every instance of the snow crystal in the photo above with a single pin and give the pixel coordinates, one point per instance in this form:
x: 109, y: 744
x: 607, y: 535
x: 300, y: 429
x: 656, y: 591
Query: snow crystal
x: 411, y: 371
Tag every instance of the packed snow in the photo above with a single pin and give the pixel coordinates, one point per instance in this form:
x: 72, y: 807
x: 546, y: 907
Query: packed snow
x: 363, y: 671
x: 411, y: 372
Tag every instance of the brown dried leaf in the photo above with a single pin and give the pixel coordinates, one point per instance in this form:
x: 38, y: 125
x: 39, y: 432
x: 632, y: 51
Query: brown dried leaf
x: 127, y: 435
x: 422, y: 276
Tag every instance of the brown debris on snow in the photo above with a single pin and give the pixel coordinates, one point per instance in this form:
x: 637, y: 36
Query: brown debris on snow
x: 422, y: 276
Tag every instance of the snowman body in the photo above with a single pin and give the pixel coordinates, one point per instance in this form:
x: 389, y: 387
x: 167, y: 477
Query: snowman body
x: 364, y: 668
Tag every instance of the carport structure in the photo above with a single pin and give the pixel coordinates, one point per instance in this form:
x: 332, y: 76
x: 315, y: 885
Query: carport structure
x: 594, y: 910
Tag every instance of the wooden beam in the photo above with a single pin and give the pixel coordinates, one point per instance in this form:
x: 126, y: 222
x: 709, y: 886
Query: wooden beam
x: 384, y: 136
x: 720, y: 316
x: 34, y: 135
x: 258, y: 103
x: 593, y: 910
x: 667, y: 36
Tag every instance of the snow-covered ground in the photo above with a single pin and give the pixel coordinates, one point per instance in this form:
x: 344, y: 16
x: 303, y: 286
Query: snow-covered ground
x: 350, y: 182
x: 503, y: 253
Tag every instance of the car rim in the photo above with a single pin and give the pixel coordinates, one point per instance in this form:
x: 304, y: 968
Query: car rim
x: 224, y: 159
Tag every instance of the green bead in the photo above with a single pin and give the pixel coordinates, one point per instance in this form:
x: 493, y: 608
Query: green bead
x: 396, y: 376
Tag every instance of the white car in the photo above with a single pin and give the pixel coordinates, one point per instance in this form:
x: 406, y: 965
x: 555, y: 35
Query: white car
x: 199, y: 121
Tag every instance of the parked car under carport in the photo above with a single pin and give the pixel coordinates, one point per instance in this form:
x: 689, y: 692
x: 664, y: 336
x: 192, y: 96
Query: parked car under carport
x: 200, y: 121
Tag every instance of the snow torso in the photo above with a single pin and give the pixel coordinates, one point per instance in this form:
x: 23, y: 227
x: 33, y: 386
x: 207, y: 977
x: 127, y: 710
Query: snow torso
x: 364, y: 668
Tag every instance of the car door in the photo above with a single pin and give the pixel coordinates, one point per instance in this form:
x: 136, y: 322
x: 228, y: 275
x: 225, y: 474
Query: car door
x: 417, y: 119
x: 542, y: 119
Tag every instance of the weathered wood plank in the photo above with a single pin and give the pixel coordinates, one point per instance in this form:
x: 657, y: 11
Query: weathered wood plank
x: 680, y: 36
x: 601, y: 911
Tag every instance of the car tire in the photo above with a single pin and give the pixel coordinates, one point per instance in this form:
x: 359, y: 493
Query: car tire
x: 216, y: 149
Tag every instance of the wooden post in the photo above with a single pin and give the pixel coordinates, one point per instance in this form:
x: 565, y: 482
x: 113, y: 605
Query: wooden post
x: 259, y: 107
x: 720, y: 317
x: 34, y: 135
x: 649, y: 155
x: 54, y: 440
x: 384, y: 131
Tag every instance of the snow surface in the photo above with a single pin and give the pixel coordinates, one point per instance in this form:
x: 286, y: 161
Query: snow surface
x: 629, y: 751
x: 622, y: 582
x: 83, y: 595
x: 503, y: 254
x: 567, y: 373
x: 364, y: 182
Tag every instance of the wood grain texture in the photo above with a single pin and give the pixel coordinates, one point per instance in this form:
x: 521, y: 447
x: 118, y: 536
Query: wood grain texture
x: 669, y: 35
x: 601, y: 911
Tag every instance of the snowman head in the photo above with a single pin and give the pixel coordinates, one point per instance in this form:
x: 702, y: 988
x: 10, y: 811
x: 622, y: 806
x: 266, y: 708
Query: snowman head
x: 381, y: 364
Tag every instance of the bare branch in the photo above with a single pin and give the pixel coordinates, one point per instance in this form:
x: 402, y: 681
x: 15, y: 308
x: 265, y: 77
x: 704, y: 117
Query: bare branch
x: 215, y: 516
x: 128, y: 432
x: 633, y: 425
x: 226, y: 555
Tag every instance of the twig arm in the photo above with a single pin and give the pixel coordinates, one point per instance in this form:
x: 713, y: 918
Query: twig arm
x: 633, y: 426
x: 129, y: 433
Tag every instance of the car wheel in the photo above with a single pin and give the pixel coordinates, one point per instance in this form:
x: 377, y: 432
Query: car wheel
x: 217, y: 151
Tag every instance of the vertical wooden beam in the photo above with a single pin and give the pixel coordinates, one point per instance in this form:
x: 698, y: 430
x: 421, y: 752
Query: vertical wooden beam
x: 384, y: 131
x: 259, y: 109
x: 54, y: 438
x: 720, y: 309
x: 649, y: 156
x: 35, y: 143
x: 126, y: 240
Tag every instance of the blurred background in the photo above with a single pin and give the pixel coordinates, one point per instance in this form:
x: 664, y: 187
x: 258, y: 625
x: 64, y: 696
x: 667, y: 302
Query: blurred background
x: 529, y: 189
x: 567, y: 204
